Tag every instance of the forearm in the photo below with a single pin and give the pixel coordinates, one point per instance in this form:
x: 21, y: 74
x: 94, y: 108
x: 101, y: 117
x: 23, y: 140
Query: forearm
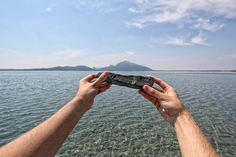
x: 191, y: 139
x: 45, y: 139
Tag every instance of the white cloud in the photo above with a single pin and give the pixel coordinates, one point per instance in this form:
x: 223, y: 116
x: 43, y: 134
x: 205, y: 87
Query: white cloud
x: 208, y: 25
x: 192, y: 15
x: 177, y: 41
x: 173, y: 11
x: 135, y: 24
x: 134, y: 10
x: 130, y: 53
x: 198, y: 39
x: 48, y: 9
x: 100, y: 5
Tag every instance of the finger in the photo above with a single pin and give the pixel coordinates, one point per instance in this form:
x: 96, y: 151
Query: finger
x: 105, y: 84
x: 157, y: 103
x: 103, y: 89
x: 151, y: 91
x: 160, y: 82
x: 148, y: 97
x: 160, y: 90
x: 154, y: 100
x: 102, y: 78
x: 90, y: 77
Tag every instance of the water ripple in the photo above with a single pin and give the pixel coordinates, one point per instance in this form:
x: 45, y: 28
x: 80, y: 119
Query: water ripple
x: 120, y: 123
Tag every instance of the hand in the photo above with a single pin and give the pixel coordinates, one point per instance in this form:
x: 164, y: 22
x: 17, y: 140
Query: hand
x: 165, y: 100
x: 89, y: 88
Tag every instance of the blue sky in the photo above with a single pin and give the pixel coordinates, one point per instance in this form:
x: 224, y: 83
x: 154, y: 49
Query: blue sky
x: 173, y: 34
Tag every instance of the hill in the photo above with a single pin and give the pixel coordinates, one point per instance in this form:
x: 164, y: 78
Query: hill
x: 122, y: 66
x: 66, y: 68
x: 125, y: 66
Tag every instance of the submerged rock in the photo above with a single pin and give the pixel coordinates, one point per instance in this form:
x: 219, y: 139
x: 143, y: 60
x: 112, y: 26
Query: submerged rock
x: 131, y: 81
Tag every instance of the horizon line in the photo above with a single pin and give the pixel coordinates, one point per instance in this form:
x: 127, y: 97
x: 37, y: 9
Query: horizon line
x: 47, y: 69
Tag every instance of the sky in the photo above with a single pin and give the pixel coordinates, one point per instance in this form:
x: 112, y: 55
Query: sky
x: 161, y: 34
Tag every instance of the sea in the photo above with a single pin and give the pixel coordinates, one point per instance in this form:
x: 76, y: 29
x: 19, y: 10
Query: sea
x: 120, y: 123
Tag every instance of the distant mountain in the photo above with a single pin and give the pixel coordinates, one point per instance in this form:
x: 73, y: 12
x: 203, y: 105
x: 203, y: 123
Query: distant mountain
x: 66, y: 68
x: 125, y: 66
x: 122, y: 66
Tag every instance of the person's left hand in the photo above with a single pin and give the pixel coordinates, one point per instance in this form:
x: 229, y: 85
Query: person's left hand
x: 89, y: 88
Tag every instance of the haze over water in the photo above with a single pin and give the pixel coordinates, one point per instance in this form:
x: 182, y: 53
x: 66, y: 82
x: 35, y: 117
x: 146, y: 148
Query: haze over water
x: 121, y: 122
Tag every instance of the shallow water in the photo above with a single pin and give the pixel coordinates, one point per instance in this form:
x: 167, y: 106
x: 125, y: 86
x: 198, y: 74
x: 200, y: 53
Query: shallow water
x: 120, y: 123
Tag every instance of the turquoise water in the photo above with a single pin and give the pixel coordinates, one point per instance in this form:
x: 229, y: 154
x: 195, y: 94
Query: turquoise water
x: 121, y: 122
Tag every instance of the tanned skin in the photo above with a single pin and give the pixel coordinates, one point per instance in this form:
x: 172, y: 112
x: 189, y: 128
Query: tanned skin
x: 192, y: 141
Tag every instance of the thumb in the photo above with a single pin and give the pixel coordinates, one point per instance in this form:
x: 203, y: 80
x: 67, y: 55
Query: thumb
x: 102, y: 78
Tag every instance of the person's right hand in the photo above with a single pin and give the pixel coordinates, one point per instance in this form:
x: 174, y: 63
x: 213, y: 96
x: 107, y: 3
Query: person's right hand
x: 165, y: 100
x: 91, y: 86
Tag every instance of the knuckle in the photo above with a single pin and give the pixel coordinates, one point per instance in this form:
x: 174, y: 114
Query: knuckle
x: 94, y: 85
x: 152, y: 91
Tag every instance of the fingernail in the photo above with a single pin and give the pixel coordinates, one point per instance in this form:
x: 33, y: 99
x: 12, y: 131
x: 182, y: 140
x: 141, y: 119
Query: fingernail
x: 145, y: 87
x: 106, y: 72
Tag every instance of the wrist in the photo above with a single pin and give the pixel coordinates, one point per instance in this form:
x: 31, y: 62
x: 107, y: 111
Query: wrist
x: 77, y: 99
x: 79, y: 103
x: 182, y: 114
x: 176, y: 113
